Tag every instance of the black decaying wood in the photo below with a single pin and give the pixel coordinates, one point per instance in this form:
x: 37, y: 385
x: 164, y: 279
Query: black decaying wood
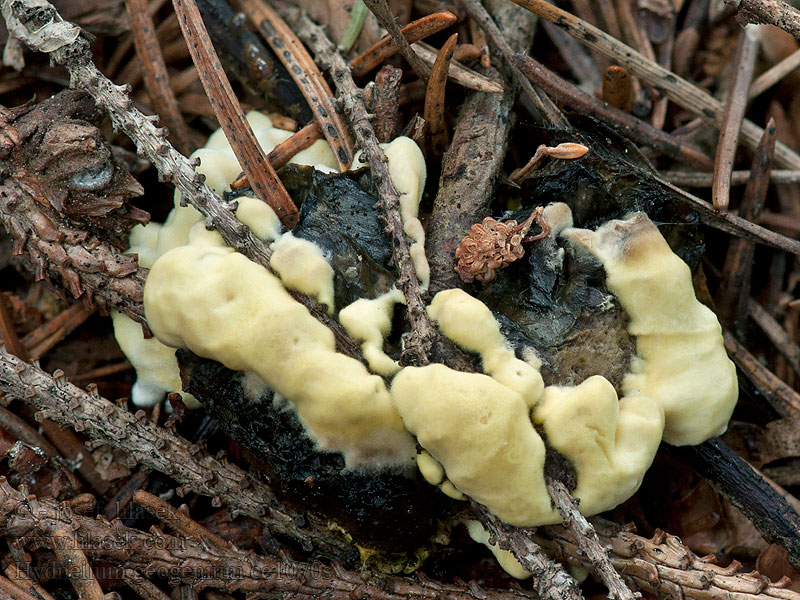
x: 736, y: 480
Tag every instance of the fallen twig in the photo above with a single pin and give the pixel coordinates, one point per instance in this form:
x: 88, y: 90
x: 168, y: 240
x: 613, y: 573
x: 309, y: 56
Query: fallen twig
x: 543, y: 103
x: 203, y: 566
x: 385, y: 17
x: 625, y: 123
x: 305, y: 74
x: 776, y: 333
x: 774, y: 74
x: 413, y: 32
x: 73, y: 561
x: 772, y: 12
x: 732, y: 121
x: 589, y: 545
x: 700, y: 180
x: 159, y: 449
x: 420, y: 339
x: 263, y: 179
x: 675, y: 88
x: 734, y: 290
x: 463, y: 76
x: 551, y: 581
x: 156, y: 78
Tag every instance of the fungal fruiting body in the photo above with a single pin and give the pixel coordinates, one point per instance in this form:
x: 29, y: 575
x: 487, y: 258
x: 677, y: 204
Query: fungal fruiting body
x: 480, y: 432
x: 155, y: 364
x: 681, y: 359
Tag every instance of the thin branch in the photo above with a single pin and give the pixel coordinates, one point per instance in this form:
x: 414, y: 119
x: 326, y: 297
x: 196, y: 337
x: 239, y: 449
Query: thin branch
x: 420, y: 339
x: 177, y: 520
x: 305, y: 74
x: 159, y: 449
x: 588, y: 543
x: 783, y: 399
x: 190, y: 562
x: 621, y: 121
x: 156, y: 78
x: 75, y: 55
x: 772, y: 12
x: 675, y: 88
x: 701, y: 180
x: 550, y: 580
x: 732, y: 121
x: 263, y: 179
x: 413, y: 32
x: 774, y: 74
x: 734, y: 290
x: 543, y: 103
x: 385, y: 17
x: 776, y: 333
x: 73, y: 561
x: 458, y: 73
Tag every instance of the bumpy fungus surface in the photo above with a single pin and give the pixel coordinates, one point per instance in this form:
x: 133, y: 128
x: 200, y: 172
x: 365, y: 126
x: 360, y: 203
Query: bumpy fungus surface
x: 610, y: 442
x: 477, y: 430
x: 681, y: 359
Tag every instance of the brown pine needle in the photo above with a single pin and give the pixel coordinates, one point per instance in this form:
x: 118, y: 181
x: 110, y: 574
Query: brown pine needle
x: 10, y: 337
x: 413, y: 32
x: 264, y: 181
x: 732, y: 121
x: 283, y: 152
x: 434, y: 98
x: 385, y: 17
x: 675, y: 88
x: 156, y: 79
x: 305, y: 74
x: 460, y: 74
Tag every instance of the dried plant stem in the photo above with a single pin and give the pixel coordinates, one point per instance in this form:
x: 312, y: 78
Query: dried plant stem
x: 700, y: 180
x: 771, y: 12
x: 305, y: 74
x: 783, y: 399
x: 588, y: 543
x: 157, y: 448
x: 11, y: 591
x: 144, y: 587
x: 413, y: 32
x: 156, y: 78
x: 542, y: 102
x: 434, y: 98
x: 663, y: 566
x: 732, y: 120
x: 420, y: 339
x: 550, y: 580
x: 734, y: 291
x: 74, y: 561
x: 193, y: 563
x: 385, y: 17
x: 774, y: 74
x: 263, y: 179
x: 21, y: 579
x: 675, y: 88
x: 175, y: 519
x: 458, y: 73
x: 621, y: 121
x: 776, y: 333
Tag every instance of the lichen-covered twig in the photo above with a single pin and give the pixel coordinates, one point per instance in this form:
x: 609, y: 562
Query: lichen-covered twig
x: 550, y: 580
x: 588, y: 543
x: 420, y: 339
x: 772, y: 12
x: 189, y: 561
x: 75, y: 55
x: 159, y: 449
x: 663, y: 566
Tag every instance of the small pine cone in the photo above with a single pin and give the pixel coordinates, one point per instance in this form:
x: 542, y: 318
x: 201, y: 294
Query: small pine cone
x: 491, y: 245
